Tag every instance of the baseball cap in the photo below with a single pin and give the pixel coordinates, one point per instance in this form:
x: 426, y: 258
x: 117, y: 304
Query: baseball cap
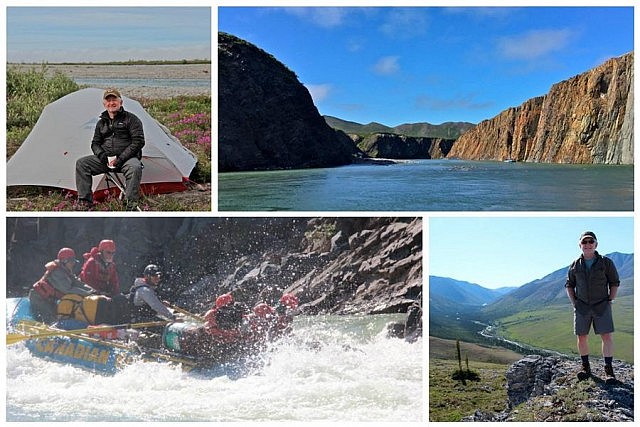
x: 588, y: 234
x: 111, y: 92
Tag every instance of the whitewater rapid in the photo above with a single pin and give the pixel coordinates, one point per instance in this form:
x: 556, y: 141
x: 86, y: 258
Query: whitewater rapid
x: 335, y: 368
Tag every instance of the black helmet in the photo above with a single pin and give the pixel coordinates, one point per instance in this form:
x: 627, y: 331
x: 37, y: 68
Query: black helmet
x: 152, y: 270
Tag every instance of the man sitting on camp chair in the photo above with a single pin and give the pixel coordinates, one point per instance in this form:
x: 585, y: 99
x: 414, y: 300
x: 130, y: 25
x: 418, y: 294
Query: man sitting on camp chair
x: 117, y: 147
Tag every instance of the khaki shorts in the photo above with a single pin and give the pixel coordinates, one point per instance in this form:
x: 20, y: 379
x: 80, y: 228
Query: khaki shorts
x: 600, y: 315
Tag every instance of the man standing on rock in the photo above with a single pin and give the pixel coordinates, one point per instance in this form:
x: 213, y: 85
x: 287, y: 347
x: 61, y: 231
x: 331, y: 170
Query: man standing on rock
x: 117, y: 146
x: 592, y: 285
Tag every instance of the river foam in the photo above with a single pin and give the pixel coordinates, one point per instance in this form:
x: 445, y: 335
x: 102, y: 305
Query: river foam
x: 334, y: 369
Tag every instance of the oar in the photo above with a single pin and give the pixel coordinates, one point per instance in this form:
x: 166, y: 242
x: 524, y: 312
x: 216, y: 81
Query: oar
x: 41, y: 327
x: 15, y: 338
x: 186, y: 313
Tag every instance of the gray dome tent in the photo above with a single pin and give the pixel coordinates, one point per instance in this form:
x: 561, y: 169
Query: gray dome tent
x: 63, y: 134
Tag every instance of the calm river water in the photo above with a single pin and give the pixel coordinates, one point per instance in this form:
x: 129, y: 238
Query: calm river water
x: 432, y: 185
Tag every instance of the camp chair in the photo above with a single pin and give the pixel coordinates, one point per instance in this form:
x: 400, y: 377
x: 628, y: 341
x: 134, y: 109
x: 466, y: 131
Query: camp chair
x: 116, y: 178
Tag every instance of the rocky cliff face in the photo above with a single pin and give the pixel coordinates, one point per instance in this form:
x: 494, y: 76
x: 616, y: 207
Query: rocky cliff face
x: 585, y: 119
x: 266, y: 117
x: 393, y: 146
x: 335, y: 265
x: 546, y: 389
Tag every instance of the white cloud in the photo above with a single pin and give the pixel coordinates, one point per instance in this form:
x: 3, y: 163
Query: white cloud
x: 354, y: 45
x: 534, y: 44
x: 387, y: 65
x: 405, y: 23
x: 319, y: 92
x: 326, y: 17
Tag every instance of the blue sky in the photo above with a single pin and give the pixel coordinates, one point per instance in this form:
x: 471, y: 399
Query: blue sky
x: 396, y: 65
x: 100, y: 34
x: 512, y: 251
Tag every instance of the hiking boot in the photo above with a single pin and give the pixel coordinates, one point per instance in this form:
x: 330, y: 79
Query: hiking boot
x: 585, y: 372
x: 82, y: 205
x: 608, y: 371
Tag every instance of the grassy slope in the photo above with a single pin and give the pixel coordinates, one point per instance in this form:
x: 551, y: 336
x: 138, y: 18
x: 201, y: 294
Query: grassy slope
x: 552, y: 328
x: 450, y: 400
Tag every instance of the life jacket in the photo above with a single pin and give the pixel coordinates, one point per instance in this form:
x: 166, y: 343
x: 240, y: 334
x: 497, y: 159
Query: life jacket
x: 92, y: 309
x: 140, y: 313
x: 100, y: 275
x: 44, y: 288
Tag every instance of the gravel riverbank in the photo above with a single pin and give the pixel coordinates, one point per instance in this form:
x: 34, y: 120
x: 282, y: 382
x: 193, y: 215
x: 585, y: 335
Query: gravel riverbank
x: 170, y: 73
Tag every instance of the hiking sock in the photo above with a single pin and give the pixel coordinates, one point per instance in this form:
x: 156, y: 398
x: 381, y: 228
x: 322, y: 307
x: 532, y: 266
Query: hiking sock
x: 608, y: 367
x: 586, y: 368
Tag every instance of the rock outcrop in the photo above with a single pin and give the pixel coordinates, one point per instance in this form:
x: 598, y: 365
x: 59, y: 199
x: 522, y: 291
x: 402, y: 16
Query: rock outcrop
x: 340, y: 266
x: 335, y: 265
x: 394, y: 146
x: 585, y: 119
x: 546, y: 389
x: 266, y: 117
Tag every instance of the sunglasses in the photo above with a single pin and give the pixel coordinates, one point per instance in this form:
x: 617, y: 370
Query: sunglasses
x: 109, y: 252
x: 588, y: 241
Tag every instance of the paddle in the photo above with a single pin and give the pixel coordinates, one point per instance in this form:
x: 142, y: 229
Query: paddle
x: 15, y: 338
x: 186, y: 313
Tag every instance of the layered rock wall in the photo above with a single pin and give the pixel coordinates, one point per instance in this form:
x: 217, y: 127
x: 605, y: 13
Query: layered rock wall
x: 585, y: 119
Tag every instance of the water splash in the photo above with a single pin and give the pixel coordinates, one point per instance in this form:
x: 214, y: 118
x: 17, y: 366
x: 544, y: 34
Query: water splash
x: 333, y: 369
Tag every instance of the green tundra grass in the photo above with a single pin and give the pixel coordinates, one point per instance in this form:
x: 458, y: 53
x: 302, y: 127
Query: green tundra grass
x: 450, y: 400
x: 552, y: 328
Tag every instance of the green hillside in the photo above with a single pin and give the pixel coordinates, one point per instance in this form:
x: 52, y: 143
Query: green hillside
x: 356, y: 128
x: 448, y: 130
x: 552, y: 328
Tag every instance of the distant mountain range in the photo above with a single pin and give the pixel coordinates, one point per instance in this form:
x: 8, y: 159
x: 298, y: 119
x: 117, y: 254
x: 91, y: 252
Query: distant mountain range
x: 464, y: 293
x: 449, y: 296
x: 447, y: 130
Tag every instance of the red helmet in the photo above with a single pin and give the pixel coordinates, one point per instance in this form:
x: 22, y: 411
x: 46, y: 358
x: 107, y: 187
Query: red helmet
x: 224, y: 299
x: 65, y: 254
x: 263, y: 310
x: 107, y: 245
x: 290, y: 301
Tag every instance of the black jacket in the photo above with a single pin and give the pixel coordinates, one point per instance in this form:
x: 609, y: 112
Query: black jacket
x: 122, y: 137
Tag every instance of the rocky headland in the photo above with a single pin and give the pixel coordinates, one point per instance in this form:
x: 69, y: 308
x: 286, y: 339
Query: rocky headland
x: 547, y: 389
x: 585, y: 119
x: 267, y: 119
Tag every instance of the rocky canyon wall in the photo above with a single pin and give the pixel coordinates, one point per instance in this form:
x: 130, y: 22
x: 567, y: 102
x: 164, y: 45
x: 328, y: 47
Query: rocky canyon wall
x: 585, y: 119
x: 393, y: 146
